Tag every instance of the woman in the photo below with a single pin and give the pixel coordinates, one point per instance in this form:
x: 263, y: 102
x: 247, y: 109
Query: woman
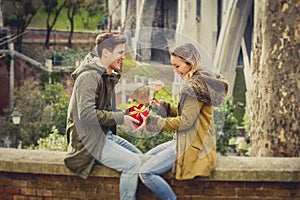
x: 192, y: 152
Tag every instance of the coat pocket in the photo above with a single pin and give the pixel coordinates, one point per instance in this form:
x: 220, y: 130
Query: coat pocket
x: 200, y: 150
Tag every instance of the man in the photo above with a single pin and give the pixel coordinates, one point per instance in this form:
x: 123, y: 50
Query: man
x: 90, y: 117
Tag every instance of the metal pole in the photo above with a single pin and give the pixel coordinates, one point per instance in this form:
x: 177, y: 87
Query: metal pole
x: 1, y: 16
x: 11, y: 75
x: 49, y: 66
x: 54, y: 57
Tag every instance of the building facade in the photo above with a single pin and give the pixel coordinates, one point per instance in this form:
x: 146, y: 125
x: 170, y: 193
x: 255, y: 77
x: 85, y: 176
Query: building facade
x: 221, y: 30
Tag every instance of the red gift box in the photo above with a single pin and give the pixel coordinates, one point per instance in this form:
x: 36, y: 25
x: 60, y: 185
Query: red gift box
x: 136, y: 111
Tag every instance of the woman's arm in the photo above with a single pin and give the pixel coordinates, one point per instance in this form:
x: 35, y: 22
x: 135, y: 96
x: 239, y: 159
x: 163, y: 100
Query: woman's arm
x: 190, y: 112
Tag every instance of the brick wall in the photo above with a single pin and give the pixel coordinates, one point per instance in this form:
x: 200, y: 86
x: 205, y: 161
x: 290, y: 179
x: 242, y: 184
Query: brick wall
x: 25, y: 186
x: 41, y: 175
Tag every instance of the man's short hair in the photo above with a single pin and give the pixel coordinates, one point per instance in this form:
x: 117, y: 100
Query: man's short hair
x: 108, y: 41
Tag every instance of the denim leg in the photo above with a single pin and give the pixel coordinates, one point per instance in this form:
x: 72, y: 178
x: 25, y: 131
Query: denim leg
x: 161, y: 147
x: 159, y: 164
x: 124, y: 143
x: 121, y: 159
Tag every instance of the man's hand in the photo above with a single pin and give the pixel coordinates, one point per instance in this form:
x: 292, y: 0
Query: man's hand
x: 130, y: 122
x: 143, y: 125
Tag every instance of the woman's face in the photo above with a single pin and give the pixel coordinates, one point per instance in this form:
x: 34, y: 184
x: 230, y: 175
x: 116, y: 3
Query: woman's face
x: 179, y: 66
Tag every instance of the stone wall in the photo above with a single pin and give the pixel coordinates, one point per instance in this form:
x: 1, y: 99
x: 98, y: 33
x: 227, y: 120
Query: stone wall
x: 41, y: 175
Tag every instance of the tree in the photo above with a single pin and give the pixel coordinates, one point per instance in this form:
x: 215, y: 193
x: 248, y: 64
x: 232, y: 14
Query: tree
x: 19, y: 14
x: 275, y: 103
x: 110, y: 13
x: 52, y: 8
x: 73, y: 8
x: 93, y: 8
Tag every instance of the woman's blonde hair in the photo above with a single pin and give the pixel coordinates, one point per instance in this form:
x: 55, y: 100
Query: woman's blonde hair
x: 189, y: 54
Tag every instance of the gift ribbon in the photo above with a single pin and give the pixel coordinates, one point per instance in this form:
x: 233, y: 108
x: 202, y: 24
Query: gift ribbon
x: 137, y: 110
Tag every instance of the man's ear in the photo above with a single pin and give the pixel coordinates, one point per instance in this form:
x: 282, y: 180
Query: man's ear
x: 105, y: 52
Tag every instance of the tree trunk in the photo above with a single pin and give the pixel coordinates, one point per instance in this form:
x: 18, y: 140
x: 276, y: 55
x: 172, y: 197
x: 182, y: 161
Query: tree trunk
x: 71, y: 33
x: 275, y: 123
x: 48, y: 38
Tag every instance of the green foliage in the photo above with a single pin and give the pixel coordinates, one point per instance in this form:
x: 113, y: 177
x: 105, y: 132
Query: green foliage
x: 19, y: 13
x: 57, y: 100
x: 246, y: 119
x: 53, y: 142
x: 65, y: 57
x: 41, y: 109
x: 239, y: 97
x: 29, y: 101
x: 128, y: 64
x: 226, y: 125
x: 144, y: 140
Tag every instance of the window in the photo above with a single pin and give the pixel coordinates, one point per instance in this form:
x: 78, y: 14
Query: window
x: 199, y: 9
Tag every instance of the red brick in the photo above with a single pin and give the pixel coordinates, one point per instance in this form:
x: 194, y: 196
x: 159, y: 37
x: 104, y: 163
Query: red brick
x: 60, y: 193
x: 207, y: 192
x: 69, y: 199
x: 257, y: 185
x: 53, y: 185
x: 264, y: 193
x: 110, y: 197
x: 20, y: 183
x: 111, y: 180
x: 19, y: 197
x: 111, y: 188
x: 44, y: 193
x: 265, y: 185
x: 178, y: 190
x: 2, y: 190
x: 35, y: 198
x: 12, y: 190
x: 28, y: 191
x: 5, y: 181
x: 77, y: 194
x: 297, y: 193
x: 238, y: 184
x: 6, y: 197
x: 245, y: 192
x: 282, y: 193
x: 225, y: 191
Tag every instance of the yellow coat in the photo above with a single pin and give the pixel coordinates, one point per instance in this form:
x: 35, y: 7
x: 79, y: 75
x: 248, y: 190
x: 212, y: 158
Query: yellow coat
x: 194, y: 127
x: 193, y: 122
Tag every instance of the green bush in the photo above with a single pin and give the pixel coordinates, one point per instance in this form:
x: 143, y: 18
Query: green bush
x: 144, y: 140
x: 226, y: 125
x: 41, y: 109
x: 53, y: 142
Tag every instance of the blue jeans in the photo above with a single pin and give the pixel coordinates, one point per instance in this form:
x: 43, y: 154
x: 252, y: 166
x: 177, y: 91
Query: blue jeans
x: 121, y: 155
x: 160, y: 163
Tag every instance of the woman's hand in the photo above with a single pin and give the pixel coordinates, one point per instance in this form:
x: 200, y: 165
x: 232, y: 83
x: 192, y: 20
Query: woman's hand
x: 155, y: 100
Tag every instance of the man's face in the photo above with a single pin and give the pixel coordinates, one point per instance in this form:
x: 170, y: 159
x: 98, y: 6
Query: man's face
x: 116, y: 57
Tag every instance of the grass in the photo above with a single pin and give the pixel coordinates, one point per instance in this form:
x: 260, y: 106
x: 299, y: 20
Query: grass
x: 62, y: 23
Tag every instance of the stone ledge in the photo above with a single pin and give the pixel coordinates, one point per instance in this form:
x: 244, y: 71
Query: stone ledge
x: 228, y: 168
